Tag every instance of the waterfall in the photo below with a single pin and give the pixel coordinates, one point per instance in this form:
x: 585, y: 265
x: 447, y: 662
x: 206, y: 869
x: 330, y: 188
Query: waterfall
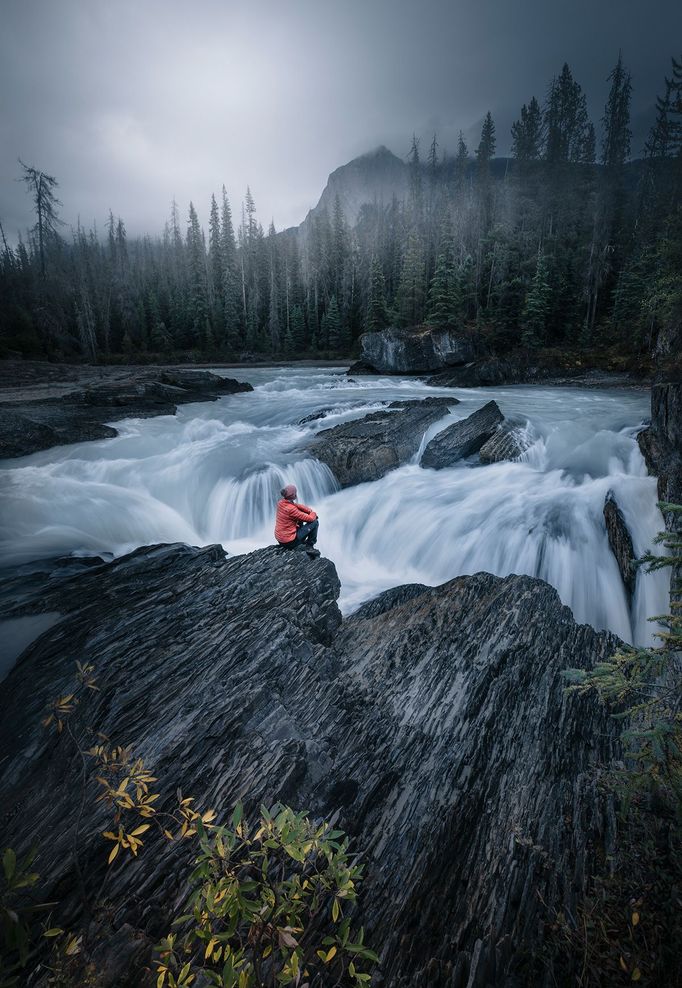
x: 213, y: 472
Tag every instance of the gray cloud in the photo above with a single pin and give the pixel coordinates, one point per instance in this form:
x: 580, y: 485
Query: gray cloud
x: 129, y: 104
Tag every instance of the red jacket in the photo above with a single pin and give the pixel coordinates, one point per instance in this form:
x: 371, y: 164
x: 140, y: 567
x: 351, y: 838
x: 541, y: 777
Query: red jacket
x: 288, y: 514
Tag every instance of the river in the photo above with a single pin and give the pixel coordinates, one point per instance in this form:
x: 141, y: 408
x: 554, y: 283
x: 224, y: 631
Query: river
x: 212, y: 473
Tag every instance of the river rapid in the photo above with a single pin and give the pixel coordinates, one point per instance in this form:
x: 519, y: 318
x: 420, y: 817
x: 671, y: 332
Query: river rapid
x: 212, y: 474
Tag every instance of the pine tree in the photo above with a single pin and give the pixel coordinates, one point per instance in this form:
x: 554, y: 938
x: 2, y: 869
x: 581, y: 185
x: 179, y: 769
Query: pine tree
x: 377, y: 314
x: 232, y: 303
x: 442, y: 301
x: 273, y: 320
x: 200, y: 328
x: 410, y: 295
x: 297, y: 330
x: 536, y: 309
x: 527, y: 133
x: 565, y: 119
x: 45, y: 202
x: 616, y: 120
x: 333, y: 325
x: 485, y: 152
x: 216, y: 282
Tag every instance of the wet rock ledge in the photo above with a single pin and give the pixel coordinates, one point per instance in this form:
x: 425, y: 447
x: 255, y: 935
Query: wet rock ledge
x: 28, y: 425
x: 434, y: 722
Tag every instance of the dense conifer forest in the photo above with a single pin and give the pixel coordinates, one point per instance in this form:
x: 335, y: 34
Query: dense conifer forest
x: 573, y: 241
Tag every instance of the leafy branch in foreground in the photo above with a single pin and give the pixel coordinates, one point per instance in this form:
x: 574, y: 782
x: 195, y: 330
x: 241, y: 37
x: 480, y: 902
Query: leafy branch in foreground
x: 644, y: 685
x: 268, y: 908
x: 268, y: 901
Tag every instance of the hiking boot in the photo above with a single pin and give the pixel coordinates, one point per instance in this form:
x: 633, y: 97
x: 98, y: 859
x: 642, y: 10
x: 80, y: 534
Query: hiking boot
x: 312, y: 551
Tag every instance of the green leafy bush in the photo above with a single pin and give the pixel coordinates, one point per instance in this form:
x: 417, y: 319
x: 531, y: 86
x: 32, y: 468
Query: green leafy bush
x: 270, y: 907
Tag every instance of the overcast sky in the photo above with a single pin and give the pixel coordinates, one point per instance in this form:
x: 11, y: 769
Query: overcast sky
x: 131, y: 102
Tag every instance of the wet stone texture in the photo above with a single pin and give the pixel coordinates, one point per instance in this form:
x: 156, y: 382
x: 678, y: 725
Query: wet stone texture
x: 368, y: 448
x: 463, y: 438
x: 433, y: 725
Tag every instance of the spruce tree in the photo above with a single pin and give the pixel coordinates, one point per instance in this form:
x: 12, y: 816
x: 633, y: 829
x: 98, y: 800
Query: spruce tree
x: 441, y: 299
x: 410, y: 295
x: 377, y: 313
x: 45, y: 202
x: 615, y: 147
x: 536, y: 308
x: 527, y: 133
x: 199, y: 323
x: 297, y: 329
x: 333, y: 325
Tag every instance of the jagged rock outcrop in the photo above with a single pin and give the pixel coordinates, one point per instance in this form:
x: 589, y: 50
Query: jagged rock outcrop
x: 367, y: 449
x: 27, y: 426
x: 620, y: 542
x: 463, y: 438
x: 433, y: 723
x: 417, y: 350
x: 508, y: 442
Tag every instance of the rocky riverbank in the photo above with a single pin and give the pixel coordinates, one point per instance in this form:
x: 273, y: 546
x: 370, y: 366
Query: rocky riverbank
x: 432, y: 724
x: 49, y: 406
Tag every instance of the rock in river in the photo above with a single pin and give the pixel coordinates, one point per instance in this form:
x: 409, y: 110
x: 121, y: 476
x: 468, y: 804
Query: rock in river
x: 80, y: 415
x: 463, y: 438
x: 368, y: 448
x: 507, y: 442
x: 620, y: 541
x: 434, y: 723
x: 416, y: 350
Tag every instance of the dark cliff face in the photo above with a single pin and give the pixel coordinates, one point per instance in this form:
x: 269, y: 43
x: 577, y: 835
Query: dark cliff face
x: 433, y: 723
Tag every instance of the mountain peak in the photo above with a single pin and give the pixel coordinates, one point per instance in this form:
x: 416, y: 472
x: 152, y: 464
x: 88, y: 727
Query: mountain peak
x: 375, y: 176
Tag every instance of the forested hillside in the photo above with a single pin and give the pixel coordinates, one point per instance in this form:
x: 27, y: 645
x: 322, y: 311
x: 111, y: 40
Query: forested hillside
x: 570, y: 242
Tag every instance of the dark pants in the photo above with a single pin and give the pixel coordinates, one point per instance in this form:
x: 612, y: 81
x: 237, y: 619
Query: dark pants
x: 307, y: 532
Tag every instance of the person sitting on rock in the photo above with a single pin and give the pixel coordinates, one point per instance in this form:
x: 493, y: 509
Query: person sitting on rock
x: 296, y: 525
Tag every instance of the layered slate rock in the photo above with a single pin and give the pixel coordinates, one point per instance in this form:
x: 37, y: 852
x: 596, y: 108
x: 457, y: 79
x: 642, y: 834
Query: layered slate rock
x: 508, y: 442
x: 368, y: 448
x: 80, y: 415
x: 463, y: 438
x: 415, y: 351
x: 433, y: 725
x: 620, y: 542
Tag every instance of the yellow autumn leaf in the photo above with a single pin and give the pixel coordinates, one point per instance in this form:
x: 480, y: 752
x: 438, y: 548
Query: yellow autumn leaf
x: 114, y: 851
x: 636, y: 974
x: 140, y: 830
x: 330, y: 954
x: 635, y: 919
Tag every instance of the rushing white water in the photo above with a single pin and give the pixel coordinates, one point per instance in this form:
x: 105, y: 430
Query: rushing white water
x: 212, y: 473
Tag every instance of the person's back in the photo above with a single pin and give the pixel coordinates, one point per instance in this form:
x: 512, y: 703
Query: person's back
x: 295, y: 524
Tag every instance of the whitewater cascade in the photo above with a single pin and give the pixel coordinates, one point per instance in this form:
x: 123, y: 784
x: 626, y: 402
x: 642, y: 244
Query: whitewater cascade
x: 212, y: 473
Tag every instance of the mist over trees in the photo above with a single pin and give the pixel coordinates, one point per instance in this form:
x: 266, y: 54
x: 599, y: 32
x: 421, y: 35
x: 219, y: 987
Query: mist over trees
x: 567, y: 243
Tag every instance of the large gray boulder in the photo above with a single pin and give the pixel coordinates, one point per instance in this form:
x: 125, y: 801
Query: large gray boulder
x: 368, y: 448
x: 434, y: 723
x: 418, y: 350
x: 463, y: 438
